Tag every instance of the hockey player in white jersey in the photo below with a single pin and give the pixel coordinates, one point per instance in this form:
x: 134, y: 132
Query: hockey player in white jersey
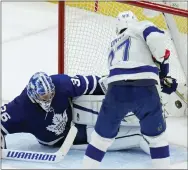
x: 133, y: 75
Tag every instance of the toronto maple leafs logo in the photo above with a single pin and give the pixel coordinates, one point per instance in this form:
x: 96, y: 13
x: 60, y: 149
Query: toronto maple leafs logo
x: 59, y: 122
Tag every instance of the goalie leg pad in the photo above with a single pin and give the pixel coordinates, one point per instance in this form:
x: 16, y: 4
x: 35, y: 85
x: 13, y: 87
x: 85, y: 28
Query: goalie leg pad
x: 86, y: 108
x: 127, y: 137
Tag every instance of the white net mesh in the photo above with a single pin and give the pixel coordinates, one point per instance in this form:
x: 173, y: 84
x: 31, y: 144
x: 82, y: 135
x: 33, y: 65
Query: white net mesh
x: 90, y: 28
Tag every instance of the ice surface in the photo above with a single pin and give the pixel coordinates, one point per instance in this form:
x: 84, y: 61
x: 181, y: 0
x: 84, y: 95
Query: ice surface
x: 29, y: 45
x: 132, y: 158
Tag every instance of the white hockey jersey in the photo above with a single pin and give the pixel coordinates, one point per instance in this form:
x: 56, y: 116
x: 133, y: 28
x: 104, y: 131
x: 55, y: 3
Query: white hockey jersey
x: 130, y: 55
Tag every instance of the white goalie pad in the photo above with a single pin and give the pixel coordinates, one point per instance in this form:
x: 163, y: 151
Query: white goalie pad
x: 127, y: 137
x: 87, y: 107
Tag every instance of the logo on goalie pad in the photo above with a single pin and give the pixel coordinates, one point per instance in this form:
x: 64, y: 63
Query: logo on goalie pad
x: 59, y: 122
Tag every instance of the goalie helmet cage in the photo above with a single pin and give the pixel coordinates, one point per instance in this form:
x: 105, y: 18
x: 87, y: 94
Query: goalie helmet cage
x: 85, y: 30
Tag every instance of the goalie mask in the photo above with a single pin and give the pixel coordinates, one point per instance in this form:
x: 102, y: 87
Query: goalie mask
x: 41, y: 90
x: 124, y: 19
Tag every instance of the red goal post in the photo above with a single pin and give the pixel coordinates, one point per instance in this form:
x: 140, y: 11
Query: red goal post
x: 71, y: 49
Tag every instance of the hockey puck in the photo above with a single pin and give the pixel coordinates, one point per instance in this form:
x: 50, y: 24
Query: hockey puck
x: 178, y: 104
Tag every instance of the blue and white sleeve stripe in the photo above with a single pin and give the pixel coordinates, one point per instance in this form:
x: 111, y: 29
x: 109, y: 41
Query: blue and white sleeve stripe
x: 149, y: 30
x: 87, y: 84
x: 81, y: 85
x: 92, y: 84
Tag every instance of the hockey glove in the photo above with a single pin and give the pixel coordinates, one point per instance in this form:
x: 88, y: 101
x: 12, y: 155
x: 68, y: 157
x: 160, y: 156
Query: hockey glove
x: 163, y: 68
x: 164, y: 65
x: 168, y: 85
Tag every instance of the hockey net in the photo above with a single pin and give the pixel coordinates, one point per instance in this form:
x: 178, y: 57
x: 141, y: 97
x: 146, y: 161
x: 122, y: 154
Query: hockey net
x: 90, y: 27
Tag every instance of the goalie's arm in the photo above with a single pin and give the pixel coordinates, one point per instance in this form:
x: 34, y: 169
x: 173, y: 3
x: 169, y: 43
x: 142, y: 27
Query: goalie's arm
x: 77, y: 85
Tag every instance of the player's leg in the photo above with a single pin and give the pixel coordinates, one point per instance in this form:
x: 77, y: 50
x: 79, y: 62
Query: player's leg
x: 112, y: 111
x: 153, y: 126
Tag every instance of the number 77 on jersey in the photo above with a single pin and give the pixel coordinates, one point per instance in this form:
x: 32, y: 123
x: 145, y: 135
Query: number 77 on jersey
x: 119, y: 51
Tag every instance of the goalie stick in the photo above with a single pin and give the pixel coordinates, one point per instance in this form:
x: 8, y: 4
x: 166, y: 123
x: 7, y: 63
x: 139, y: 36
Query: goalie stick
x: 42, y: 156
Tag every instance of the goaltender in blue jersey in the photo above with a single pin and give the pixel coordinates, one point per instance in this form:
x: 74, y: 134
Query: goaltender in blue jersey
x: 44, y: 107
x: 48, y: 104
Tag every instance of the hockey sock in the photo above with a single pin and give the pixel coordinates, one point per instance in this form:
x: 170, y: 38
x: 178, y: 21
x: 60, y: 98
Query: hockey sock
x: 160, y: 157
x: 159, y: 151
x: 95, y: 151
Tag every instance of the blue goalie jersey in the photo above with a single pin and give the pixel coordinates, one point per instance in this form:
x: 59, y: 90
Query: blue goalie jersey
x: 22, y: 115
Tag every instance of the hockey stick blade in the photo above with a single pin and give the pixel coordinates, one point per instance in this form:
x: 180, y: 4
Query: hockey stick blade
x: 42, y: 156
